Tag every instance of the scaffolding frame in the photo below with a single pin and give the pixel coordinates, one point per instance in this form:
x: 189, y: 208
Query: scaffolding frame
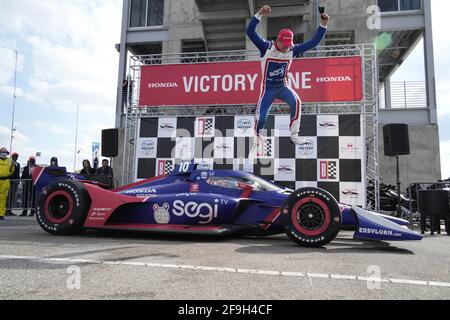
x: 367, y: 108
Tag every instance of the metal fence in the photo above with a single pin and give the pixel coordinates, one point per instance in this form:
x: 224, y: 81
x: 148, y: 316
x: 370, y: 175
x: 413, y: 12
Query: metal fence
x: 413, y: 193
x: 405, y: 94
x: 22, y: 196
x: 367, y: 108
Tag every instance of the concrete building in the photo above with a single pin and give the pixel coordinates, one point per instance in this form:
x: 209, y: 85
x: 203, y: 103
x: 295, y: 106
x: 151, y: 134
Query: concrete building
x: 178, y: 26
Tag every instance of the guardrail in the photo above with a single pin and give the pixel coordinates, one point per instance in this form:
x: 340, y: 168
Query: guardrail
x: 22, y: 196
x: 405, y: 94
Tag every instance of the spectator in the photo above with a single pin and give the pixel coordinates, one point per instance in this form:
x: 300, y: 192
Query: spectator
x: 95, y: 164
x: 29, y: 194
x: 14, y: 183
x: 54, y: 162
x: 107, y: 171
x: 6, y: 171
x: 87, y: 169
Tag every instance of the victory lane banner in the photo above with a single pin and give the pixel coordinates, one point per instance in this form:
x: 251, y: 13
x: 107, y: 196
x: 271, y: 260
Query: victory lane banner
x: 238, y: 83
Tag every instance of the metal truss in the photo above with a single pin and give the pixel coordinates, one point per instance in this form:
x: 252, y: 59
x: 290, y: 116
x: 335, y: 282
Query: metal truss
x: 368, y: 107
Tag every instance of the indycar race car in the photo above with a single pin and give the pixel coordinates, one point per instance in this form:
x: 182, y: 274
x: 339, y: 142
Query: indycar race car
x: 195, y: 200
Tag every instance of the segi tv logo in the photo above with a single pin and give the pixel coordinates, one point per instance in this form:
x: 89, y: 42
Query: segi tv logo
x: 193, y: 209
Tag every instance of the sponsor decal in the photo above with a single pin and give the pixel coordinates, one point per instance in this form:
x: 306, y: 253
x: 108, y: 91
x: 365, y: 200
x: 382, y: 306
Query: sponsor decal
x: 334, y: 79
x: 223, y: 146
x: 350, y: 147
x: 285, y: 168
x: 327, y: 124
x: 244, y: 125
x: 350, y: 192
x: 203, y: 166
x: 147, y: 147
x: 194, y: 187
x: 166, y: 126
x: 306, y: 148
x: 205, y: 211
x: 379, y: 232
x: 204, y: 175
x: 328, y: 170
x: 156, y: 85
x: 205, y: 127
x: 183, y: 149
x: 278, y: 72
x: 99, y: 214
x: 161, y: 214
x: 165, y: 167
x: 139, y: 191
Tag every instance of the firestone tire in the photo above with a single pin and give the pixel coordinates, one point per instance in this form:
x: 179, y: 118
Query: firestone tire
x: 311, y: 217
x: 62, y: 207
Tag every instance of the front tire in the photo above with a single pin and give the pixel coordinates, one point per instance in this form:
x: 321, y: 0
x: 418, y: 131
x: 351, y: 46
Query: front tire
x: 311, y: 217
x: 62, y: 207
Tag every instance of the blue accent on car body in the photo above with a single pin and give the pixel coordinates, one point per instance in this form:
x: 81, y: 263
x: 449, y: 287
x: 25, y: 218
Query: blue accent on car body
x: 190, y: 196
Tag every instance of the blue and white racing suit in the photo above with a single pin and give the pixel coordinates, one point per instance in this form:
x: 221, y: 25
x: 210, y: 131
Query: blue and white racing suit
x: 275, y: 67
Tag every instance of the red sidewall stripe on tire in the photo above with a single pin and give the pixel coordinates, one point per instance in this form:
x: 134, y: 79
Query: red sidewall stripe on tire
x: 69, y: 210
x: 322, y: 205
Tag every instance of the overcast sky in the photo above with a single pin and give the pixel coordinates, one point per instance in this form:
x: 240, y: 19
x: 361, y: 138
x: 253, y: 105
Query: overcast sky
x: 67, y: 57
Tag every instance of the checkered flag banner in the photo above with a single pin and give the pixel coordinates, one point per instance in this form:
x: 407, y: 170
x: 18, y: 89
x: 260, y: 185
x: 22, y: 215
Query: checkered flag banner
x: 330, y: 158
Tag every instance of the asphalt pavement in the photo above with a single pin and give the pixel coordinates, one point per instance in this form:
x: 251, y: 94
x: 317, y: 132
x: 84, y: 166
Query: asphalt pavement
x: 111, y: 265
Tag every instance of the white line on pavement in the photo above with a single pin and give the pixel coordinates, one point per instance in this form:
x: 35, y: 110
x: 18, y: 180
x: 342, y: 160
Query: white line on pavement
x: 229, y: 270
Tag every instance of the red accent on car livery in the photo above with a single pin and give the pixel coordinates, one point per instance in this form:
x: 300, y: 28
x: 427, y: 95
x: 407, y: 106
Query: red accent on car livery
x: 324, y: 208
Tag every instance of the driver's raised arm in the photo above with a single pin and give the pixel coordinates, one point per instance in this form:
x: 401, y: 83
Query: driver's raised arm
x: 314, y: 41
x: 261, y: 43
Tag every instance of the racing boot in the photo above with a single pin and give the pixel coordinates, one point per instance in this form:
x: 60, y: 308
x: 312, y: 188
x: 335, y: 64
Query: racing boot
x: 296, y: 139
x: 257, y: 149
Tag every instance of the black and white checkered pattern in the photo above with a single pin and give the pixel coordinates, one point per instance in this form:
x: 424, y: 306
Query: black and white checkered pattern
x: 330, y: 158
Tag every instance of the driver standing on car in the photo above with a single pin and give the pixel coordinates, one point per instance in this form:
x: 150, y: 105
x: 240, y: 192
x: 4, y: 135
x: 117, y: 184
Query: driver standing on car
x: 276, y: 58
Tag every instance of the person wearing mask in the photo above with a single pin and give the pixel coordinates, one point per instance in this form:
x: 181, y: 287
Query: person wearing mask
x: 6, y: 171
x: 87, y: 169
x: 29, y: 195
x: 14, y: 182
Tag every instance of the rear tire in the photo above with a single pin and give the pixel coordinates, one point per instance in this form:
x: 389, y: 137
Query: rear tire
x: 62, y: 207
x: 311, y: 217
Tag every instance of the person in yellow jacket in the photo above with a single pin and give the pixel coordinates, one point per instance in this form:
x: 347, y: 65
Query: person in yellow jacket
x: 6, y: 170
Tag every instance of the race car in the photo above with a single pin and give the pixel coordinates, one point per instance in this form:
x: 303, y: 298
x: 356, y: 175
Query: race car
x: 196, y: 200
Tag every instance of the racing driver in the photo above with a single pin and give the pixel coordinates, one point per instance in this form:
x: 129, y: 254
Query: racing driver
x: 276, y: 58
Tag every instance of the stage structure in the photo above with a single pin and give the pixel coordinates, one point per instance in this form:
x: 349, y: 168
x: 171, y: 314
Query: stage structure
x: 219, y: 91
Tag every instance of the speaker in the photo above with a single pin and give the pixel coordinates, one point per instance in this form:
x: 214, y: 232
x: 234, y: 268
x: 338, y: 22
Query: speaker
x: 110, y: 142
x: 396, y: 139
